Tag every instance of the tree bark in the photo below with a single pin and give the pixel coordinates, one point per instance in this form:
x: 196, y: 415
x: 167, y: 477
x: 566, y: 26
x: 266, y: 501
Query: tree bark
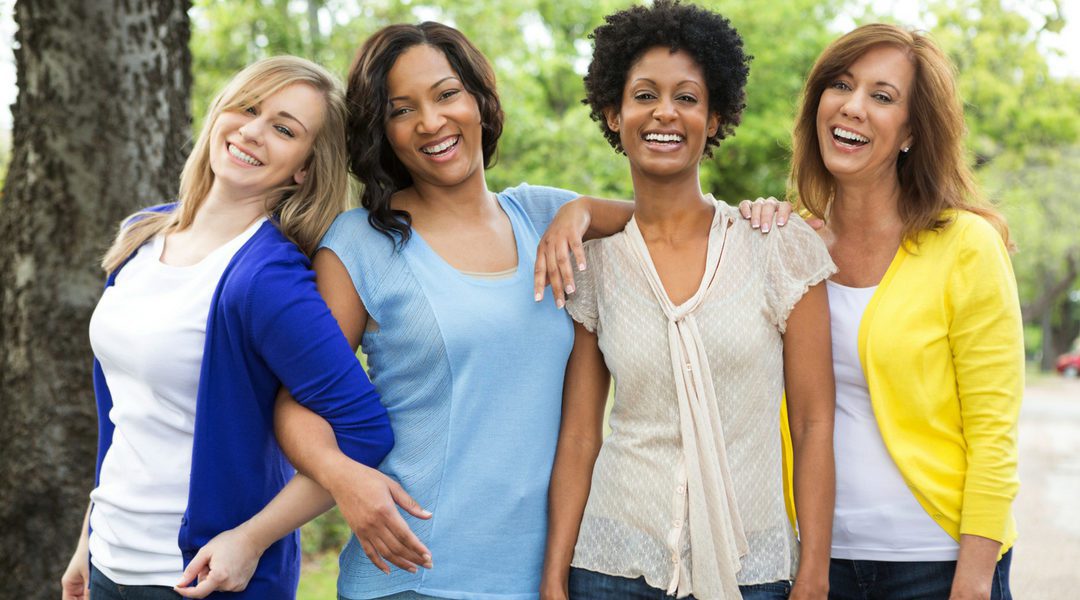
x: 100, y: 127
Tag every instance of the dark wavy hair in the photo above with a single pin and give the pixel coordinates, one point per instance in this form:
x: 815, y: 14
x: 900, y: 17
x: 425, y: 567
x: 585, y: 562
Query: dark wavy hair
x: 706, y: 36
x: 371, y: 158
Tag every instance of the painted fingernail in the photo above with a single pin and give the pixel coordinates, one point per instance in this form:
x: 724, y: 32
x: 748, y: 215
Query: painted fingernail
x: 538, y: 296
x: 427, y: 513
x: 570, y: 288
x: 581, y: 266
x: 559, y: 304
x: 781, y: 222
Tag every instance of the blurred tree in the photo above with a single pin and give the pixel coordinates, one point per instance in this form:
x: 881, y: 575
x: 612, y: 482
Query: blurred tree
x: 1024, y: 128
x: 99, y: 129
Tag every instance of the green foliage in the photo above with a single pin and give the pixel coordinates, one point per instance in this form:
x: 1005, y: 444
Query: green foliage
x: 327, y: 533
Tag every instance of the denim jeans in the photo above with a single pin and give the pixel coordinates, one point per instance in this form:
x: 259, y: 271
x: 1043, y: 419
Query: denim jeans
x: 103, y: 588
x: 889, y: 580
x: 590, y: 585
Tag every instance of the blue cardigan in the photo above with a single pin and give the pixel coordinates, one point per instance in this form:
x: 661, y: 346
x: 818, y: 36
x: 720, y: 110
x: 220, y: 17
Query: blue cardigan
x: 268, y: 327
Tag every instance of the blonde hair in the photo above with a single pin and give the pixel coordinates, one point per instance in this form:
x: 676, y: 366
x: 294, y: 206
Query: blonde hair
x: 934, y: 174
x: 303, y: 211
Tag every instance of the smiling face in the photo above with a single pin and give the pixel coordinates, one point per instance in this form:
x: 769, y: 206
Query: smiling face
x: 266, y: 146
x: 862, y: 117
x: 433, y: 123
x: 664, y: 119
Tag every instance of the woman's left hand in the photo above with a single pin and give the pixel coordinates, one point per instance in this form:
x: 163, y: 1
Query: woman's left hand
x: 763, y: 212
x: 563, y: 236
x: 225, y: 564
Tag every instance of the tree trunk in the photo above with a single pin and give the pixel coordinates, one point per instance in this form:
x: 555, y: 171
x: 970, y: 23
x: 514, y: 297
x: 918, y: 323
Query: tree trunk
x: 100, y: 127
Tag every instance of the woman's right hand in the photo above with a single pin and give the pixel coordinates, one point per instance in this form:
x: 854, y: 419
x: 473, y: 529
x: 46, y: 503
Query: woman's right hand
x: 368, y: 500
x: 75, y: 583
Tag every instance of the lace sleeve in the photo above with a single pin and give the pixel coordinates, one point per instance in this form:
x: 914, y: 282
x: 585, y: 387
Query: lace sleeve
x: 797, y: 260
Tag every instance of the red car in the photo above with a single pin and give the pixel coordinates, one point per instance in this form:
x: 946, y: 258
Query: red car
x: 1069, y: 364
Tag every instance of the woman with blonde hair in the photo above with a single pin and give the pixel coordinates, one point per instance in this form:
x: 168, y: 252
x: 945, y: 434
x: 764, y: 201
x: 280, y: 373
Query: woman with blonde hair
x: 926, y: 330
x: 210, y: 307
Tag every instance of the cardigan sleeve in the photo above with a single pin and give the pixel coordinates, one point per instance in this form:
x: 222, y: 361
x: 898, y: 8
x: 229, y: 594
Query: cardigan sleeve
x: 294, y: 332
x: 986, y: 339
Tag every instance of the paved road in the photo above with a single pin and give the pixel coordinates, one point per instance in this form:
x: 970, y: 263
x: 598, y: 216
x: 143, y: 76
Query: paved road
x: 1046, y: 564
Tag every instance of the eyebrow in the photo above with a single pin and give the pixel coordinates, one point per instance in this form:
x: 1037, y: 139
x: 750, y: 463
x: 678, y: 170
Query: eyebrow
x: 282, y: 113
x: 433, y: 86
x: 684, y: 81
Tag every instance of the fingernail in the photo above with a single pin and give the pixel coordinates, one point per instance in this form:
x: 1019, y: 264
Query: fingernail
x: 570, y: 288
x: 427, y: 513
x: 559, y: 304
x: 581, y: 266
x: 538, y: 296
x: 754, y: 225
x: 781, y: 222
x: 412, y: 570
x: 765, y: 228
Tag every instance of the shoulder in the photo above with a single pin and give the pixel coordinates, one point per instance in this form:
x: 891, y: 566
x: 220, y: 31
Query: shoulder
x: 526, y: 193
x: 352, y: 237
x: 264, y: 261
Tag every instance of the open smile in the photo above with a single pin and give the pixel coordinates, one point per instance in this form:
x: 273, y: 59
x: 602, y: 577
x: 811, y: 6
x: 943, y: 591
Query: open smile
x: 242, y: 156
x: 442, y: 148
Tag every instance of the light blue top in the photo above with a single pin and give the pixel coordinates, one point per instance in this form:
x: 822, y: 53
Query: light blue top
x: 471, y: 373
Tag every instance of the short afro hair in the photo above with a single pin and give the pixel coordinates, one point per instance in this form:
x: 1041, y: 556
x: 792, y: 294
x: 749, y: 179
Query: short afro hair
x: 706, y: 36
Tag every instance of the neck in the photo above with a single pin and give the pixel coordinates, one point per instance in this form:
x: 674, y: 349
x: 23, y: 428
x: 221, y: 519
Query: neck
x: 866, y: 209
x: 226, y: 215
x: 466, y: 199
x: 669, y: 207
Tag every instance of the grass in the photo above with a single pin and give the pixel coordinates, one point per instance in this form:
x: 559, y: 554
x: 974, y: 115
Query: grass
x: 318, y: 577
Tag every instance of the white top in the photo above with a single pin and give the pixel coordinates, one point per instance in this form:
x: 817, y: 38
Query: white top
x: 148, y: 332
x: 877, y: 517
x: 695, y: 422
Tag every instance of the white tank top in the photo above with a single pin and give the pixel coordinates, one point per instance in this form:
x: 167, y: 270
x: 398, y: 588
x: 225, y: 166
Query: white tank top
x: 876, y: 515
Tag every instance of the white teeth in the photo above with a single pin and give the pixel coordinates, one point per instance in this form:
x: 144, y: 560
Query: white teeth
x: 244, y: 156
x: 437, y: 148
x: 849, y: 135
x: 663, y: 137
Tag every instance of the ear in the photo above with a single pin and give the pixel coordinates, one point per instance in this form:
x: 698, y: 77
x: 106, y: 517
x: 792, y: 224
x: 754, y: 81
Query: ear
x: 299, y: 176
x: 714, y: 124
x: 614, y: 120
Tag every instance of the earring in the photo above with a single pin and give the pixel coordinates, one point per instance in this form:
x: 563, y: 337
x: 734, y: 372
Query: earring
x: 905, y: 149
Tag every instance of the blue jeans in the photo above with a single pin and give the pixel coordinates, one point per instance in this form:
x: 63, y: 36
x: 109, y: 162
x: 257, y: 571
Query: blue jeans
x: 103, y: 588
x: 590, y: 585
x: 889, y: 580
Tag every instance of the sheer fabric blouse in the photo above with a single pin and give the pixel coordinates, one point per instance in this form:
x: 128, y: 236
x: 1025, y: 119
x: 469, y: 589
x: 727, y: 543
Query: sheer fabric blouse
x: 648, y: 502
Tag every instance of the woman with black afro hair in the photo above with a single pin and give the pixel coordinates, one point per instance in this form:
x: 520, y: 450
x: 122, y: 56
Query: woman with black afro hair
x: 697, y: 318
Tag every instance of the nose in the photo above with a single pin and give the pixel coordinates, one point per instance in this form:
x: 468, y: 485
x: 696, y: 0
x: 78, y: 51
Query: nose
x: 853, y: 107
x: 664, y: 110
x: 251, y: 131
x: 431, y: 120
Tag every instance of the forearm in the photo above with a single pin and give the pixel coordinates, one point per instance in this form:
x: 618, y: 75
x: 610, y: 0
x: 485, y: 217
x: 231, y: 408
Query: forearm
x: 571, y: 480
x: 975, y: 567
x: 814, y: 487
x: 300, y: 501
x: 308, y: 441
x: 606, y: 217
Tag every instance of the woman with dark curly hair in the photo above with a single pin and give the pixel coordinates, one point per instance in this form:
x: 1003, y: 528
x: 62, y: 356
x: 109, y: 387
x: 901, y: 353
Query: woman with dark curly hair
x: 684, y: 498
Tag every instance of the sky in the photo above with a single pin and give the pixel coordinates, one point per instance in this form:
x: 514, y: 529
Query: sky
x: 903, y: 10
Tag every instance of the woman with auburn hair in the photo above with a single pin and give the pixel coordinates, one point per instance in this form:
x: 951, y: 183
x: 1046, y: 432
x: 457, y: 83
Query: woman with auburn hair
x: 210, y: 308
x: 926, y: 329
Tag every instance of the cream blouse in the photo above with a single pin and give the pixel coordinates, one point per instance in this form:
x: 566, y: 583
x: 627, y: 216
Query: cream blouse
x: 687, y: 489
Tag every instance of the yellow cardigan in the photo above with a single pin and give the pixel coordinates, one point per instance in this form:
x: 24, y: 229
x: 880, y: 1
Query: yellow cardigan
x: 941, y: 345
